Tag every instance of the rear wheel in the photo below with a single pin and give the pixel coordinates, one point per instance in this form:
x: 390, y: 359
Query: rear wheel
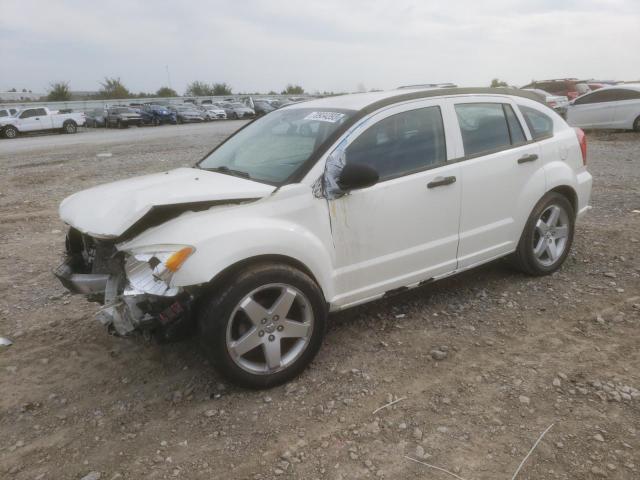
x: 547, y: 236
x: 264, y: 326
x: 636, y: 125
x: 70, y: 127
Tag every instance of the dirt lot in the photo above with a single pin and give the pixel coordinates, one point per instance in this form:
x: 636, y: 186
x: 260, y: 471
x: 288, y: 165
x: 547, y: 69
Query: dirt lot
x: 520, y: 353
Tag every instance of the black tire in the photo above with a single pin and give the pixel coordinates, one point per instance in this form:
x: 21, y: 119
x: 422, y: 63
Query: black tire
x: 234, y: 116
x: 69, y: 127
x: 179, y: 121
x: 217, y: 313
x: 10, y: 131
x: 525, y: 258
x: 636, y: 124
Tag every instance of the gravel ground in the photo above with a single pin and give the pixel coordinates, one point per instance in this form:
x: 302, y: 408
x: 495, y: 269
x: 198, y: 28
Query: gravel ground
x: 480, y: 364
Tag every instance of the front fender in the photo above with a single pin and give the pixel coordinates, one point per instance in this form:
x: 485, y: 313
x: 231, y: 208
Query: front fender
x: 215, y: 254
x: 224, y: 236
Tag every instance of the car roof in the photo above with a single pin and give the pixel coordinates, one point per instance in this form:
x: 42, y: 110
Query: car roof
x: 622, y: 86
x: 372, y: 100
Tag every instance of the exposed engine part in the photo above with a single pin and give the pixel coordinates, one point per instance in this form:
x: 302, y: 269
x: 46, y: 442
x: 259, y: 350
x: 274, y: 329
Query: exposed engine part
x: 144, y: 276
x: 134, y: 295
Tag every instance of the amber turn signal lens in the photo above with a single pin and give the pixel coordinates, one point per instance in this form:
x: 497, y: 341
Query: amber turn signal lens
x: 175, y: 261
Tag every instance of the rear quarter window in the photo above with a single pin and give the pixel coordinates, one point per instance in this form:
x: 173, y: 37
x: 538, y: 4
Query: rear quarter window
x: 540, y: 124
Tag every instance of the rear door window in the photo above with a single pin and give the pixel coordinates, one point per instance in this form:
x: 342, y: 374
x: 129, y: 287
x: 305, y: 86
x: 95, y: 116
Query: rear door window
x: 483, y: 127
x: 403, y: 143
x: 620, y: 94
x: 540, y: 125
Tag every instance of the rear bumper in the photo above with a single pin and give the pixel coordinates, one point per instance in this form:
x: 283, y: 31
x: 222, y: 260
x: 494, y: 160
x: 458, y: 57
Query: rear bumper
x: 584, y: 181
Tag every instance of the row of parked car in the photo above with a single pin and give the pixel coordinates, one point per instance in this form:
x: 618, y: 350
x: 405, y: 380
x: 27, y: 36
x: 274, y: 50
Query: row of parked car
x: 139, y: 114
x: 592, y: 104
x: 588, y: 105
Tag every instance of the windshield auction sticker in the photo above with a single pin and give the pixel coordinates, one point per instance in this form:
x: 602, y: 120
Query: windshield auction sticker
x: 331, y: 117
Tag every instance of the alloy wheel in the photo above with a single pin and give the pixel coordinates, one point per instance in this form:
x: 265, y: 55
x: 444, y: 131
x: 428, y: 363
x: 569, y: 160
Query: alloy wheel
x: 269, y: 329
x: 551, y: 235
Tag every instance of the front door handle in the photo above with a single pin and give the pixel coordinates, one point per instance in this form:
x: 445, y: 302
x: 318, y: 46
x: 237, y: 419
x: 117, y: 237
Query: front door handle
x: 440, y: 181
x: 531, y: 157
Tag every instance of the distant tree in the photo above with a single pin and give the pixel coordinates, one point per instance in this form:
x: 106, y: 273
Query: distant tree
x: 221, y: 89
x: 13, y: 90
x: 498, y: 83
x: 59, y: 92
x: 293, y: 90
x: 271, y: 92
x: 198, y: 89
x: 112, y: 88
x: 166, y: 92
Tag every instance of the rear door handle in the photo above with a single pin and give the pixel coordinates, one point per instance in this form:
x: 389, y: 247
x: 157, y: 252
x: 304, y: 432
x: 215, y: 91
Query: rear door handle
x: 532, y: 157
x: 440, y: 181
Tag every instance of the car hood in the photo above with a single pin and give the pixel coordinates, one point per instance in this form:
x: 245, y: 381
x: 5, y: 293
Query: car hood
x: 110, y: 210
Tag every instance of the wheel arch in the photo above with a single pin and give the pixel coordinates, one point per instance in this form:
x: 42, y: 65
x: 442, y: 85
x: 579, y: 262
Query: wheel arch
x: 570, y: 194
x: 278, y: 259
x: 10, y: 125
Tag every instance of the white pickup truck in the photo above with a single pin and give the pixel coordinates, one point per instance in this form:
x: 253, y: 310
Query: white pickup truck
x: 40, y: 119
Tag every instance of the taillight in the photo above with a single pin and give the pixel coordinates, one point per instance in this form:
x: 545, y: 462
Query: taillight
x: 582, y: 140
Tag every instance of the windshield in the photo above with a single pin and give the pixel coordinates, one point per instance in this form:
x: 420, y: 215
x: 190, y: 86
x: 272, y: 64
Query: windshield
x: 273, y: 147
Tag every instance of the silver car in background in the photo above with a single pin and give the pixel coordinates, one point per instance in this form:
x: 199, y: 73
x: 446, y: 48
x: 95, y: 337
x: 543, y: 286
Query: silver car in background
x: 615, y: 107
x: 559, y: 103
x: 237, y: 110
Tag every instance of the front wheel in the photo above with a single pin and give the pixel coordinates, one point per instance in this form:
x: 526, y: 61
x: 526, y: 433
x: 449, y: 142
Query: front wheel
x: 10, y: 132
x: 636, y: 125
x: 265, y: 326
x: 547, y: 236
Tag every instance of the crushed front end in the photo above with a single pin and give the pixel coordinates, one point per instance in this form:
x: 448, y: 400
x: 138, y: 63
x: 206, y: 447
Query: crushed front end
x: 134, y: 289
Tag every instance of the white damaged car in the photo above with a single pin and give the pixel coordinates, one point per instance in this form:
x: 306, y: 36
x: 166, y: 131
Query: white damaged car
x: 321, y: 206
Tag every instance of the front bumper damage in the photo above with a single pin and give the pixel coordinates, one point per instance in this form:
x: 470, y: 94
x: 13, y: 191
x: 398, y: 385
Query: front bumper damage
x: 95, y: 268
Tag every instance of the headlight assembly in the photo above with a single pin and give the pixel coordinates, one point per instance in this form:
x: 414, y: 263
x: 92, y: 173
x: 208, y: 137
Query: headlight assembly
x: 151, y: 272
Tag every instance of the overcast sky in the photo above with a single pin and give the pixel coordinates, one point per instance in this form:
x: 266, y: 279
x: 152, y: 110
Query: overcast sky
x: 322, y: 45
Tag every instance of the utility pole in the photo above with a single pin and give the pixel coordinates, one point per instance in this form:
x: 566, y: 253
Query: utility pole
x: 168, y: 76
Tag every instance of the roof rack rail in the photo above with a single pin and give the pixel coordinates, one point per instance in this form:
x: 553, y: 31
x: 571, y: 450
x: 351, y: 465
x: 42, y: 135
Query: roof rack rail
x: 428, y: 85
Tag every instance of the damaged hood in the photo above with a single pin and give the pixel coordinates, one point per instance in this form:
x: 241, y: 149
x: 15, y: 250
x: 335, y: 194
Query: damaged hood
x: 108, y: 211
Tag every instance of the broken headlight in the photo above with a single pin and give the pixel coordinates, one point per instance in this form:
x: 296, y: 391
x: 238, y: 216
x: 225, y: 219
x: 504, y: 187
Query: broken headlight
x: 151, y: 272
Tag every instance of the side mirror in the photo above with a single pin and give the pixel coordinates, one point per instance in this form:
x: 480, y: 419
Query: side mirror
x: 357, y: 175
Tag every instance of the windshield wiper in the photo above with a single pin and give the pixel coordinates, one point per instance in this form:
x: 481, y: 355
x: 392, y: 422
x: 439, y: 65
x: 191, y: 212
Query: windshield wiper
x: 228, y: 171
